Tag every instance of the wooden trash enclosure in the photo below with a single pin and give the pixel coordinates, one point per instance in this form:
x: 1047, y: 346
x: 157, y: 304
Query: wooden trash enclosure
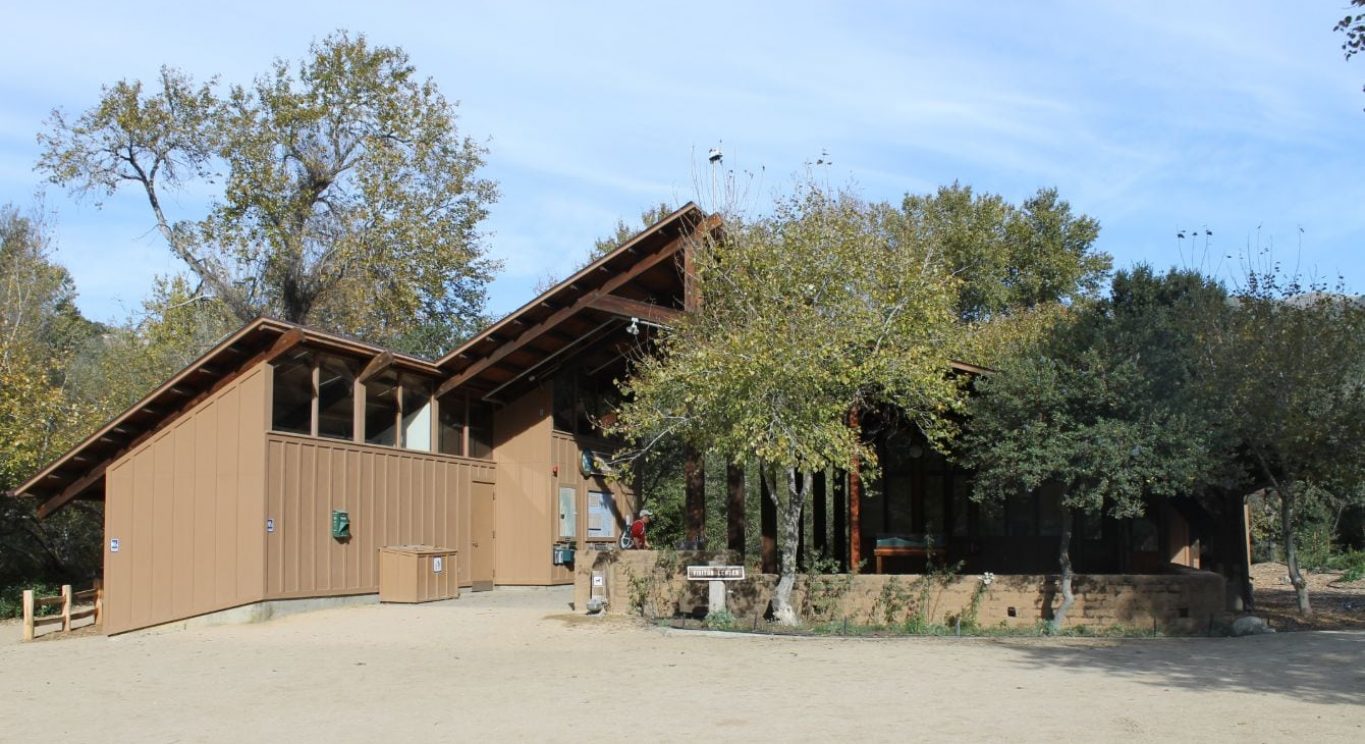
x: 66, y: 601
x: 417, y: 573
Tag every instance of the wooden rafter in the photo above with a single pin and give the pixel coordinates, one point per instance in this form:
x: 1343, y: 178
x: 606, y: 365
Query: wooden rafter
x: 636, y: 309
x: 376, y: 367
x: 562, y: 314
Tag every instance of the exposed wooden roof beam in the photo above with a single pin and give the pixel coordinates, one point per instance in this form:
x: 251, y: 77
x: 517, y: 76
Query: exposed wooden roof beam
x: 73, y: 490
x: 376, y: 367
x: 635, y: 309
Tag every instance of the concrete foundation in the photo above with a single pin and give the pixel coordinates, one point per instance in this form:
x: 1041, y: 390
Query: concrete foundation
x: 260, y: 612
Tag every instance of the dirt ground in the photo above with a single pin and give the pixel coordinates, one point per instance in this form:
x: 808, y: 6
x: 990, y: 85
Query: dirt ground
x: 509, y: 665
x: 1337, y: 604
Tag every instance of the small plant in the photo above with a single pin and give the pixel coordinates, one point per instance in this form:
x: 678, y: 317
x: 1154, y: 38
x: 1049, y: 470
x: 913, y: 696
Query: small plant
x: 719, y: 620
x: 893, y: 601
x: 970, y: 617
x: 639, y: 590
x: 825, y: 588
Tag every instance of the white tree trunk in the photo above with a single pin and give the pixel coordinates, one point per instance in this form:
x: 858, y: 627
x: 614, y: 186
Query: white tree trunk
x: 1291, y: 549
x: 1064, y: 561
x: 783, y: 610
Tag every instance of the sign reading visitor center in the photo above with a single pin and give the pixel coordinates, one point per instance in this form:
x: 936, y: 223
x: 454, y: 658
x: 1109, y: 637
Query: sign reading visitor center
x: 715, y: 573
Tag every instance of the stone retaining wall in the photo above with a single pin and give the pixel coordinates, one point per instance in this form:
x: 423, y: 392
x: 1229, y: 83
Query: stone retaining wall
x: 653, y: 583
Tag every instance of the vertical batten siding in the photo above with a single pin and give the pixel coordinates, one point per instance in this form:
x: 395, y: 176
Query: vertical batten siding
x: 393, y: 497
x: 187, y: 509
x: 521, y: 448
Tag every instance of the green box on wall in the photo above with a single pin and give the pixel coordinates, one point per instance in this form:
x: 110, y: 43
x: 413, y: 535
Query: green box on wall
x: 341, y: 524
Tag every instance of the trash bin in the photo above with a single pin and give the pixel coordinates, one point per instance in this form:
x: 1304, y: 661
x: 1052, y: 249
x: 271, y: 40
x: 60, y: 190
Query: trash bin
x: 417, y: 573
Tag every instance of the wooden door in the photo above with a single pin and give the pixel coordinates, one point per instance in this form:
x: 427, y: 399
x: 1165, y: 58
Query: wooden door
x: 481, y: 537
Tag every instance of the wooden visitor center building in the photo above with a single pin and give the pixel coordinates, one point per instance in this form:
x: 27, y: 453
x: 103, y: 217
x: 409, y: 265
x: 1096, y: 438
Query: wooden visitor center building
x: 278, y: 464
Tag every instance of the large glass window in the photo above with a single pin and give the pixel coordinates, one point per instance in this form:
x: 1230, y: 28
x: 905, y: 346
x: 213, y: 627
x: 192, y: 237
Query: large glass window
x: 450, y: 425
x: 336, y: 397
x: 381, y: 410
x: 416, y: 414
x: 292, y: 404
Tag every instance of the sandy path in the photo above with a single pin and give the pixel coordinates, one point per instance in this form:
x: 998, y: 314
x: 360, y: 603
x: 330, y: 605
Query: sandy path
x: 494, y: 666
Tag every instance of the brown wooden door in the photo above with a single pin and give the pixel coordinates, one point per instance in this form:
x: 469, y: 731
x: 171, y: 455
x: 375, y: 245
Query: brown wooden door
x: 481, y: 537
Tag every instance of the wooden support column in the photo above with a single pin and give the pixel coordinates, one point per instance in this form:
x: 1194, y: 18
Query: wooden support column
x: 819, y: 526
x: 840, y: 508
x: 855, y: 496
x: 734, y: 508
x: 694, y: 476
x: 767, y: 522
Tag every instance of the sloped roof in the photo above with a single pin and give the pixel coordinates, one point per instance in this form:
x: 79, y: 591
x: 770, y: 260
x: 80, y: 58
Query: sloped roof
x: 81, y: 469
x: 635, y: 279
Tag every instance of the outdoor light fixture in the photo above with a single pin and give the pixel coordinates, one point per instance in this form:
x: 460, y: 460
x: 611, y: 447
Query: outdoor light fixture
x: 635, y: 323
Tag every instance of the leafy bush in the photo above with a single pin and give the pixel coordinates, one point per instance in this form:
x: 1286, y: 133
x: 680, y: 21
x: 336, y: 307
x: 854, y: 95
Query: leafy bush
x: 1351, y: 564
x: 12, y: 599
x: 720, y: 620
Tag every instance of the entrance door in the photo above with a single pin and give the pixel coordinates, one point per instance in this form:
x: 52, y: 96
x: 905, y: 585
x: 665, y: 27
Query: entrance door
x: 481, y: 537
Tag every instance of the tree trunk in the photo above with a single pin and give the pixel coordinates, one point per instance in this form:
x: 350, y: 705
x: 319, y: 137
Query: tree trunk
x: 767, y: 518
x: 1064, y: 561
x: 1291, y: 550
x: 783, y: 611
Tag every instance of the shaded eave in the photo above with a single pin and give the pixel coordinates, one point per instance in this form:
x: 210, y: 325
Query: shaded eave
x: 642, y: 278
x: 79, y: 473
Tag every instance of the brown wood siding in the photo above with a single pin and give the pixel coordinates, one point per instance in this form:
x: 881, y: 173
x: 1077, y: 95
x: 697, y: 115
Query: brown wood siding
x: 566, y: 450
x: 524, y: 517
x: 188, y: 512
x: 393, y: 497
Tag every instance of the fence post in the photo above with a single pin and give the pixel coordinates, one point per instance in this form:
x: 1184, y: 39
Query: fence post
x: 66, y: 608
x: 28, y: 614
x: 99, y: 601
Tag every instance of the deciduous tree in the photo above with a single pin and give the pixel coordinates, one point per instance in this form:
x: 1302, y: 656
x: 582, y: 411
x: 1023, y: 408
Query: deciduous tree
x: 343, y: 194
x: 1009, y: 257
x: 40, y: 330
x: 1107, y: 405
x: 821, y: 306
x: 1290, y: 378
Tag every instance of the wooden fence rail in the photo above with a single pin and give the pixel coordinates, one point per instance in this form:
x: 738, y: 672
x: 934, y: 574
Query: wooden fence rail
x: 66, y: 601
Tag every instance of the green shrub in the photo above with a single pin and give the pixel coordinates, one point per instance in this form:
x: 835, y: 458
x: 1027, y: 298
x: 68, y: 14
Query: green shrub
x: 12, y: 599
x: 719, y: 620
x: 1351, y: 564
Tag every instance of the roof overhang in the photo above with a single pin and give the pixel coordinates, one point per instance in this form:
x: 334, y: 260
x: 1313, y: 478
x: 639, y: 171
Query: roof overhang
x: 642, y: 280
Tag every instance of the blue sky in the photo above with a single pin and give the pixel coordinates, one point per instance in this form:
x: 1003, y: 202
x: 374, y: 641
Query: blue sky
x: 1240, y: 118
